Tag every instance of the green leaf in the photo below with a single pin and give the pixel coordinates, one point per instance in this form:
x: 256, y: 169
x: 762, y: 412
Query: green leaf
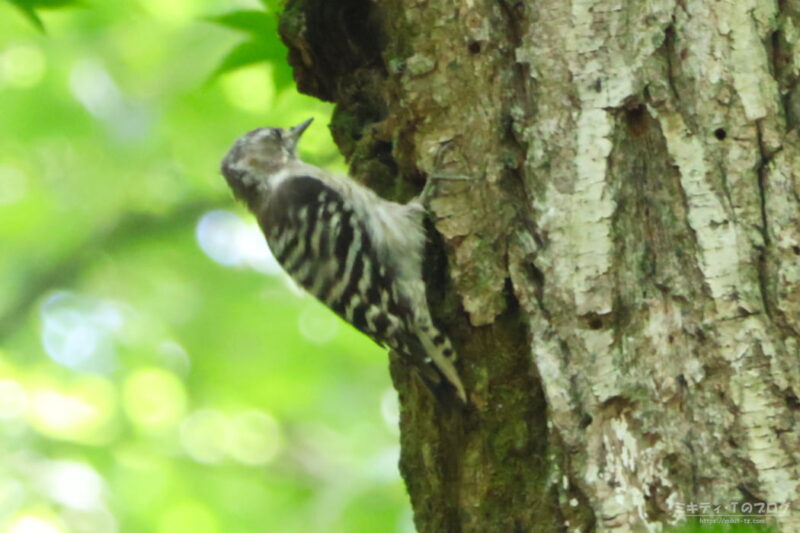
x: 264, y: 46
x: 29, y: 12
x: 257, y: 51
x: 28, y: 8
x: 259, y: 23
x: 246, y: 53
x: 270, y: 5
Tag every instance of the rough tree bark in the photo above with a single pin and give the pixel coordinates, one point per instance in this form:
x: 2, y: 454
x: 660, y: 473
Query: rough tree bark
x: 623, y: 266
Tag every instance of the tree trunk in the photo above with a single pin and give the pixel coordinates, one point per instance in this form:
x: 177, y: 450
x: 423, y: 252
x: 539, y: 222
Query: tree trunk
x: 617, y: 195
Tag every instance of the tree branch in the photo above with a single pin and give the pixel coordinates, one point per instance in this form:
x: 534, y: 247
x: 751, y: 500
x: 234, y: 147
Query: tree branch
x: 128, y: 227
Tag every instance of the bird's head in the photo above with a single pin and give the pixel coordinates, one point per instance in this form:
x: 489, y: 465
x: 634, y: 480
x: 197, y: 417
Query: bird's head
x: 257, y: 156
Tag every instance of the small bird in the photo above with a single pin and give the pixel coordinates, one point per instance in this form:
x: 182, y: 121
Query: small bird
x: 359, y: 254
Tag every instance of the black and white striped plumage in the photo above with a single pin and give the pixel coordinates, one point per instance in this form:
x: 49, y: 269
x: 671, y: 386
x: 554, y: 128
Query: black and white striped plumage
x: 357, y: 253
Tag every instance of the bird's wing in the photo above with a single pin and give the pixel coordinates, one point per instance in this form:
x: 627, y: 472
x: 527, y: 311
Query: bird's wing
x: 325, y: 247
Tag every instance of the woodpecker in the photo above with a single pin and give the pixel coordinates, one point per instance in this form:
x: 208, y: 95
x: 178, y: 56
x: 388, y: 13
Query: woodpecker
x: 357, y: 253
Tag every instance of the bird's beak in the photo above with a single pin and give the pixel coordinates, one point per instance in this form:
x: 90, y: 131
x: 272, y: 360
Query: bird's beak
x: 297, y: 131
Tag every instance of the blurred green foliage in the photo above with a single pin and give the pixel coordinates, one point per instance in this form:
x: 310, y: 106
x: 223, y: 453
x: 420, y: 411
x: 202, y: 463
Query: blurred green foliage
x: 158, y: 373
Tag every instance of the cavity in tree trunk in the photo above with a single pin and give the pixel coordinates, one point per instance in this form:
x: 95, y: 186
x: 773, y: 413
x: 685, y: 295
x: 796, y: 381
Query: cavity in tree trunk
x: 620, y: 272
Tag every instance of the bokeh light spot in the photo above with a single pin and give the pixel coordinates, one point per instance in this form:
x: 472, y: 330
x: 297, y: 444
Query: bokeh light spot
x: 70, y: 340
x: 250, y: 88
x: 74, y: 484
x: 154, y: 398
x: 79, y: 332
x: 204, y: 435
x: 81, y: 413
x: 22, y: 65
x: 34, y: 524
x: 255, y: 438
x: 59, y: 412
x: 230, y: 241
